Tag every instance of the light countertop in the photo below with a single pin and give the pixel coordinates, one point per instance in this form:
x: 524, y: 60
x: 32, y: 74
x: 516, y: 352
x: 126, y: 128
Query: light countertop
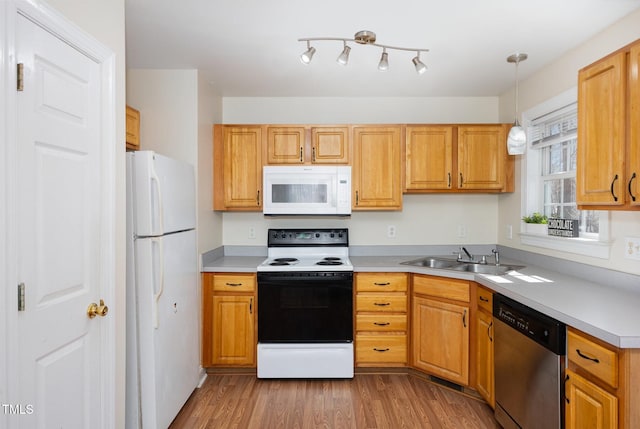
x: 605, y: 311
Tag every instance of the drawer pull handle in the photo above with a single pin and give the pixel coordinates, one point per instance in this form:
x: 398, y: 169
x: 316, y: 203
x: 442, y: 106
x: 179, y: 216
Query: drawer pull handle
x: 382, y: 284
x: 381, y: 350
x: 381, y: 323
x: 483, y: 299
x: 233, y: 284
x: 382, y: 304
x: 583, y: 356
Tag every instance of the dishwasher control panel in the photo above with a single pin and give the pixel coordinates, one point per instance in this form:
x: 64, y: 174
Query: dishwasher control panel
x: 541, y: 328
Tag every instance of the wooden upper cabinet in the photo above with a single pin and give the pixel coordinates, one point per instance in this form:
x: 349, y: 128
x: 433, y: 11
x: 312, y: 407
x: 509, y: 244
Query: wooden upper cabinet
x: 600, y: 175
x: 330, y: 145
x: 237, y: 168
x: 429, y: 158
x: 377, y: 170
x: 133, y: 129
x: 633, y: 162
x: 483, y: 159
x: 285, y: 145
x: 307, y: 145
x: 608, y: 161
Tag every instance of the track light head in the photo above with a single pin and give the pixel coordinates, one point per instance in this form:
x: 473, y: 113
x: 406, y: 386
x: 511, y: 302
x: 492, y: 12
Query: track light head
x: 308, y: 54
x: 383, y: 65
x: 343, y: 58
x: 420, y: 67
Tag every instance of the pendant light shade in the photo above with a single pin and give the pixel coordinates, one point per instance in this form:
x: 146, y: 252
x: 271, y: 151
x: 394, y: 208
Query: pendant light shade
x: 517, y: 139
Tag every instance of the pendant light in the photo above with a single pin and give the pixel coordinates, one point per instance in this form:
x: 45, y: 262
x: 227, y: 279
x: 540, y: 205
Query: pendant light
x: 517, y: 140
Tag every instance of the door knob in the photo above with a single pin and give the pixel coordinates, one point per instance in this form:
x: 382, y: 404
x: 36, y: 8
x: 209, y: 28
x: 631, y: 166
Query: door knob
x: 97, y: 309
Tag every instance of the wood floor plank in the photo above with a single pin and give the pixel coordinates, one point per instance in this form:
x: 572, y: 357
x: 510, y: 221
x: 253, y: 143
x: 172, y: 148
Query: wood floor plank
x: 371, y: 401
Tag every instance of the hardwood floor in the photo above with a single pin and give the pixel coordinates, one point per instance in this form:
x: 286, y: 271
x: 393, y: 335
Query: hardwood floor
x: 367, y: 401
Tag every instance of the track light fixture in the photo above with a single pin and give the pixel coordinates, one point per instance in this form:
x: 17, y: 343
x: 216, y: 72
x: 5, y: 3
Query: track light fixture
x: 308, y: 54
x: 363, y: 38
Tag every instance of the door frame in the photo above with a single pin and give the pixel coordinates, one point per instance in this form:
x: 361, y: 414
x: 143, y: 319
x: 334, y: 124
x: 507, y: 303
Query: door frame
x: 42, y: 14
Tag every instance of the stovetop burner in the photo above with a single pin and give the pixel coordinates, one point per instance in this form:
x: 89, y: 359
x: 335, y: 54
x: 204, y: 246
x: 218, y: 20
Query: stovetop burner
x: 315, y: 250
x: 330, y: 261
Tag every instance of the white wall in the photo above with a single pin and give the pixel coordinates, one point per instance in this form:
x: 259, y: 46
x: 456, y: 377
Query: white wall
x: 553, y: 80
x: 177, y: 112
x: 105, y: 21
x: 424, y: 219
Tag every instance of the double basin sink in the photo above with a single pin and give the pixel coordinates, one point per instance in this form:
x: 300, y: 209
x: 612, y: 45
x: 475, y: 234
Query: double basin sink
x: 444, y: 263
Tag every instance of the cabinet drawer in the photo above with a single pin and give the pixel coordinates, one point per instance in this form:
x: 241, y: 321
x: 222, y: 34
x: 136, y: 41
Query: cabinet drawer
x: 381, y: 348
x: 381, y: 282
x: 594, y: 358
x: 234, y: 283
x: 485, y: 299
x: 381, y: 303
x: 441, y: 287
x: 381, y: 322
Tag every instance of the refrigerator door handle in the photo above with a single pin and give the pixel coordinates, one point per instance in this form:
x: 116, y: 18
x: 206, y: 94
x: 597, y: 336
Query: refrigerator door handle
x: 158, y: 285
x: 158, y: 208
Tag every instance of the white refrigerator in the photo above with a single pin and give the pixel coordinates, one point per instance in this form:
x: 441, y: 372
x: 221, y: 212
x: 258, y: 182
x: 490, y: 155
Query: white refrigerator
x: 163, y: 366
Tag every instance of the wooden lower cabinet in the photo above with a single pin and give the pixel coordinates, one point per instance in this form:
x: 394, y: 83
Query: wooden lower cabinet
x: 589, y: 406
x: 601, y: 385
x: 381, y: 319
x: 484, y: 345
x: 440, y: 327
x: 229, y: 319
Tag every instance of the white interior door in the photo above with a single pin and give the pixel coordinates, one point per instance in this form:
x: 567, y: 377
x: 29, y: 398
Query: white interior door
x: 60, y: 239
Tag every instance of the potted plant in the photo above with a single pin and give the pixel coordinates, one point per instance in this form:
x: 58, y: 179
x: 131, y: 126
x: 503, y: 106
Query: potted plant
x: 535, y: 223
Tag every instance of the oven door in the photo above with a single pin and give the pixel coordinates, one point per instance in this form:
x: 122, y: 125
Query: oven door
x: 305, y: 307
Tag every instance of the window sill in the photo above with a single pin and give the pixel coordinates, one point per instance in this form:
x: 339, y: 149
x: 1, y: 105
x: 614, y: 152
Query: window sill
x: 580, y: 246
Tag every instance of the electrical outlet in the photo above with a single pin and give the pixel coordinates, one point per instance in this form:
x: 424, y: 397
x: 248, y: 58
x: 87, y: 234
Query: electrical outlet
x: 509, y: 232
x: 632, y: 248
x: 391, y: 231
x: 462, y: 231
x: 252, y: 232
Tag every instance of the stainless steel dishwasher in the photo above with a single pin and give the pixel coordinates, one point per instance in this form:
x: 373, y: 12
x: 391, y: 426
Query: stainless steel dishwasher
x: 529, y: 350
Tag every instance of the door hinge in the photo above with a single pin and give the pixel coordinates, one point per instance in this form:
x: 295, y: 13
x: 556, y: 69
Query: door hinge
x: 21, y: 297
x: 20, y: 77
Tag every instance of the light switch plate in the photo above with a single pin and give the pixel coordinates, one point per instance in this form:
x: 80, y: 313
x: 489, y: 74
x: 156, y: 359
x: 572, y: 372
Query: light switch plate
x: 632, y: 248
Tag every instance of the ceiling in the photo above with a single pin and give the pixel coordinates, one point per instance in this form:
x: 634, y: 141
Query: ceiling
x: 249, y: 48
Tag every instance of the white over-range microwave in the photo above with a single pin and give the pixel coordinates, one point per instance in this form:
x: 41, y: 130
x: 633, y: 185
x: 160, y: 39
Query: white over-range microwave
x: 307, y: 190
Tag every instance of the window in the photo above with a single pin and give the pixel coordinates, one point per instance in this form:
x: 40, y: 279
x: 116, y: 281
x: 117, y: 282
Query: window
x: 549, y: 178
x: 555, y: 135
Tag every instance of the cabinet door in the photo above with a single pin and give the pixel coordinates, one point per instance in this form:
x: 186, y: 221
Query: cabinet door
x: 633, y: 162
x: 429, y: 158
x: 482, y: 157
x: 588, y: 406
x: 484, y: 356
x: 376, y: 177
x: 600, y: 176
x: 233, y: 330
x: 285, y: 145
x: 133, y: 129
x: 440, y: 339
x: 330, y: 145
x: 238, y: 168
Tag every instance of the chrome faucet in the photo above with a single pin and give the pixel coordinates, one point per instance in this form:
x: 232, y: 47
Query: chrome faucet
x: 469, y: 255
x: 496, y: 255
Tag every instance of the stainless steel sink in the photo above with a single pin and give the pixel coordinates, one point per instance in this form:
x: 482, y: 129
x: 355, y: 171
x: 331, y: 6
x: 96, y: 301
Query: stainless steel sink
x: 452, y: 264
x: 496, y: 270
x: 433, y: 262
